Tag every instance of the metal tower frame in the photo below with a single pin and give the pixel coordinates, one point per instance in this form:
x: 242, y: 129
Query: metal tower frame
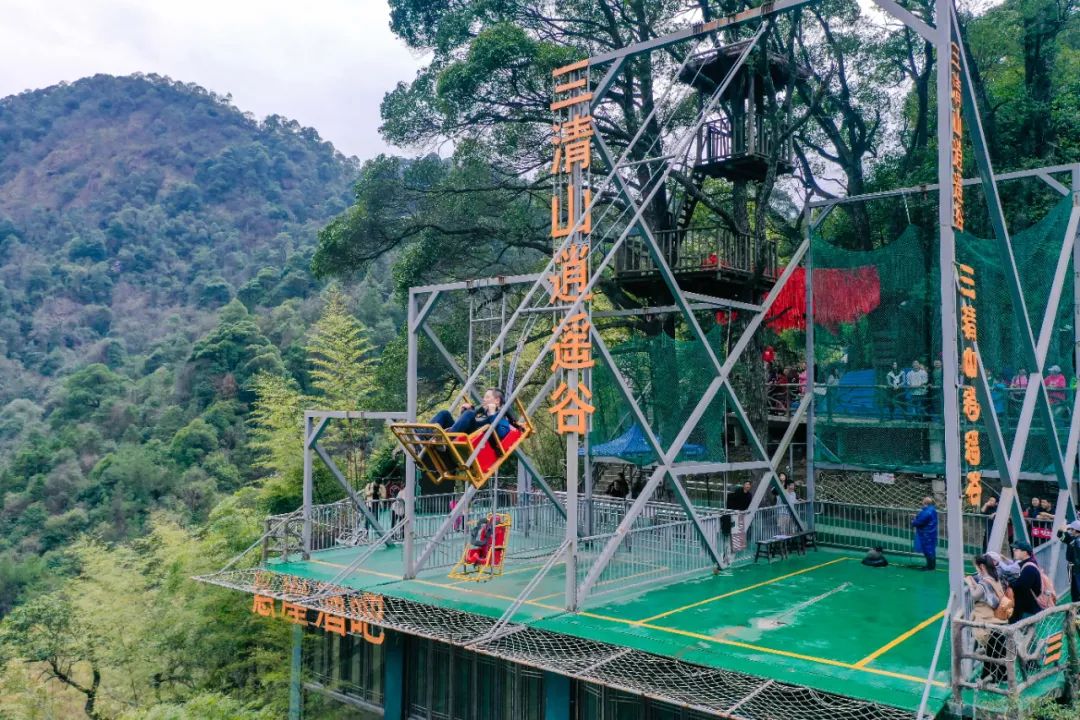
x: 943, y: 35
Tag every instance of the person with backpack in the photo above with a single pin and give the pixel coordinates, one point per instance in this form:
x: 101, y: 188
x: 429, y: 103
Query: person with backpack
x: 991, y: 604
x: 1070, y: 535
x: 1028, y: 586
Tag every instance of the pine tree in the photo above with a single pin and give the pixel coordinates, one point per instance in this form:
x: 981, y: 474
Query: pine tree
x: 277, y: 420
x: 342, y: 366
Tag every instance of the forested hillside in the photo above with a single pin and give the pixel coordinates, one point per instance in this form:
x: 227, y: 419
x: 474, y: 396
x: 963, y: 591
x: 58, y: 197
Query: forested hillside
x: 155, y: 246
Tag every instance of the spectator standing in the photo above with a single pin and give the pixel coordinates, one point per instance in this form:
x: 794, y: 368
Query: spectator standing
x: 917, y: 381
x: 937, y: 380
x: 926, y: 533
x: 740, y: 498
x: 1042, y: 522
x: 894, y: 387
x: 1055, y: 388
x: 986, y: 593
x: 989, y: 509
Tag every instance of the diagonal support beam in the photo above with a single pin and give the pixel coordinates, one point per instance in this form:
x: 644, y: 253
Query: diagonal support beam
x: 340, y: 477
x: 654, y: 443
x: 925, y: 30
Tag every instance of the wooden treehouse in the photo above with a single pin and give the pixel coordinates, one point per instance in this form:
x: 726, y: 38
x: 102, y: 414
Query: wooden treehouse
x: 735, y: 143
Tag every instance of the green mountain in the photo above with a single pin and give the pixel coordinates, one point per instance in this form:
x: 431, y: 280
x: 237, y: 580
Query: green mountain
x: 131, y: 206
x: 155, y: 253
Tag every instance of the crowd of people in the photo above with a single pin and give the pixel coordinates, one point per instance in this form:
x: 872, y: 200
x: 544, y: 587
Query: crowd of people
x: 913, y: 390
x: 1003, y: 590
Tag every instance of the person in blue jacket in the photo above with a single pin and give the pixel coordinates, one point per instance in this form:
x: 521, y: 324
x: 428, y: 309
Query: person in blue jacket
x: 475, y: 418
x: 926, y: 534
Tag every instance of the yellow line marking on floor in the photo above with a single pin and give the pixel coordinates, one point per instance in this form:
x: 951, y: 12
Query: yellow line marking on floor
x: 676, y: 631
x: 658, y: 568
x: 507, y: 572
x: 899, y: 639
x: 359, y: 569
x: 761, y: 649
x: 755, y: 586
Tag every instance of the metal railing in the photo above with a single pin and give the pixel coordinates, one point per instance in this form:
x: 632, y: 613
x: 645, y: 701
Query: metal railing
x: 537, y: 529
x: 1009, y: 660
x: 647, y: 555
x: 861, y: 527
x: 704, y: 249
x: 886, y: 403
x: 721, y: 140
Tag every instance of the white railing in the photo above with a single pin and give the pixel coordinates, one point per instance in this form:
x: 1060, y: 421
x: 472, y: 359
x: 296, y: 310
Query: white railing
x: 647, y: 555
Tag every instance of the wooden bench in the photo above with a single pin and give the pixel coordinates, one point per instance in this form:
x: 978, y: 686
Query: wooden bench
x: 782, y: 545
x: 801, y: 540
x: 770, y: 547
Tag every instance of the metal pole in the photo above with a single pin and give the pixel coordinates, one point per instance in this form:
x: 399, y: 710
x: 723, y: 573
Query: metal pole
x: 308, y: 492
x: 811, y: 475
x: 933, y: 663
x: 410, y: 464
x: 296, y: 697
x: 946, y: 263
x: 1076, y: 329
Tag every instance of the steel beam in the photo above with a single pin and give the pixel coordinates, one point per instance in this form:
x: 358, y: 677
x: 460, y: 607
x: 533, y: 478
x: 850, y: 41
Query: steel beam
x: 305, y: 533
x: 385, y: 416
x: 478, y: 283
x: 931, y: 187
x: 927, y: 32
x: 411, y: 379
x: 949, y: 344
x: 425, y: 312
x: 340, y: 477
x: 696, y: 30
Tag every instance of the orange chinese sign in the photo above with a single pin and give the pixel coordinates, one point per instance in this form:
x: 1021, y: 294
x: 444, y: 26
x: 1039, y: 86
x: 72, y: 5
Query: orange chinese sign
x: 957, y: 141
x: 334, y: 618
x: 571, y: 217
x: 969, y: 366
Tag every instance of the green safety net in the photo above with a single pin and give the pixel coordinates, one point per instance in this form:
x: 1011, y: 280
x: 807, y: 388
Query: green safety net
x: 874, y: 308
x: 667, y: 377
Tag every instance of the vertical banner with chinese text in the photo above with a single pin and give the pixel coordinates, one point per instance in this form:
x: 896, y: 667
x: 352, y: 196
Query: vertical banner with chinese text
x: 571, y: 219
x: 970, y: 409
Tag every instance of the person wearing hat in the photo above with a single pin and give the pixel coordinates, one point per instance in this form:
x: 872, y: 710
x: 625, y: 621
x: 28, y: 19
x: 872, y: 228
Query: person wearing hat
x: 1028, y: 585
x: 1055, y: 386
x: 1070, y: 535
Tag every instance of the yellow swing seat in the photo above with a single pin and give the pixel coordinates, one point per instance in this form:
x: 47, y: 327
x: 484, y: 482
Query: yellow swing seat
x: 482, y: 558
x: 441, y: 454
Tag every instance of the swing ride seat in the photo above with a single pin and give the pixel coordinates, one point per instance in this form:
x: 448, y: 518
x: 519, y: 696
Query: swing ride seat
x: 442, y: 455
x: 483, y: 562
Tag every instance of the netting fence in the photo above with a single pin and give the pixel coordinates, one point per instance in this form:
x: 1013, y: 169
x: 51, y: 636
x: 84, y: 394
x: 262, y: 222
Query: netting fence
x: 878, y: 392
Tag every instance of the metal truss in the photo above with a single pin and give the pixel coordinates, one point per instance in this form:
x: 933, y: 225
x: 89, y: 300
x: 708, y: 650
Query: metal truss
x: 315, y: 423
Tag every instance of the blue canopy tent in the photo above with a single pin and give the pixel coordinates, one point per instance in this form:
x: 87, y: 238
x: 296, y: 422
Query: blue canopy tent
x: 632, y: 447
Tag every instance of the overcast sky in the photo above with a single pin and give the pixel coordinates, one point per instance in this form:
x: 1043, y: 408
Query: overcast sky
x: 324, y: 63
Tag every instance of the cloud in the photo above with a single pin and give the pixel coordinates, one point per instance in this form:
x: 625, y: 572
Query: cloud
x: 325, y: 63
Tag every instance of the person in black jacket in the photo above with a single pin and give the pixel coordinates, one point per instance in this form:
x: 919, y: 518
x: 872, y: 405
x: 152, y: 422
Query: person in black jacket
x: 741, y: 497
x: 1070, y: 535
x: 1028, y: 586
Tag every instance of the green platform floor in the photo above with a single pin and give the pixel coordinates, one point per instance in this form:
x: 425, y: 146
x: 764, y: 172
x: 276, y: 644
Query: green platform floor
x: 820, y: 620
